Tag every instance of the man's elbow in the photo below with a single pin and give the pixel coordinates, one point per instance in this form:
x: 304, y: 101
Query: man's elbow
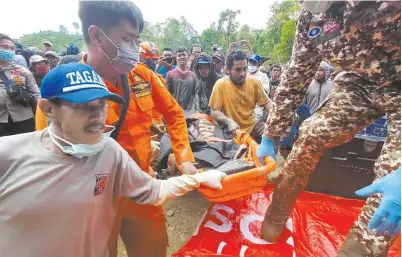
x: 174, y: 113
x: 215, y: 114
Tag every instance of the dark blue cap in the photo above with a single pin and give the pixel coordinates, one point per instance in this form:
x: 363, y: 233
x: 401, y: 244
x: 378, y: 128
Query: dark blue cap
x: 76, y: 83
x: 203, y: 60
x: 255, y: 57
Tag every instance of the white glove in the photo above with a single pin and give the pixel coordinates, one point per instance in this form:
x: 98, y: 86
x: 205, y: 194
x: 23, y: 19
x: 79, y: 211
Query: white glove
x: 177, y: 186
x: 211, y: 178
x: 155, y: 145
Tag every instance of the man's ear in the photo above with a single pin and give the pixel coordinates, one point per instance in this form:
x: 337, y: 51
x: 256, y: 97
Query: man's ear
x: 48, y: 108
x: 93, y: 33
x: 227, y: 69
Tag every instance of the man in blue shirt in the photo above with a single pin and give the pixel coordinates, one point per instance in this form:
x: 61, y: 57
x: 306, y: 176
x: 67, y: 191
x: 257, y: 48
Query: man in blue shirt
x: 165, y: 62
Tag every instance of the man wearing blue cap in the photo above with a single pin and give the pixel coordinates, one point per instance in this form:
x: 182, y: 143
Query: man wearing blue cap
x: 254, y: 63
x: 63, y: 184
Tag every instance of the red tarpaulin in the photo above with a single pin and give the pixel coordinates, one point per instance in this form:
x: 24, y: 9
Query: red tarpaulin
x: 317, y: 227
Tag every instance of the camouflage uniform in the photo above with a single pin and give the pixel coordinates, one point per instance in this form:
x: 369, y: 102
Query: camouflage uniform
x: 363, y: 38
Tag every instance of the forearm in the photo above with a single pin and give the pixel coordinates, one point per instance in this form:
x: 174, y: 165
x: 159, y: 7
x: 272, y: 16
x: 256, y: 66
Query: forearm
x: 192, y: 66
x: 268, y: 106
x: 294, y: 81
x: 220, y: 117
x: 175, y: 187
x: 177, y: 129
x: 158, y: 68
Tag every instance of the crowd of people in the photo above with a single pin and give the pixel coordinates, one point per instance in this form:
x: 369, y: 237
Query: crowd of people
x: 81, y: 128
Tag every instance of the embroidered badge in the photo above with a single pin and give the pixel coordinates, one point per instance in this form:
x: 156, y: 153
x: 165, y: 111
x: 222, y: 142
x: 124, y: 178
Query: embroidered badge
x: 100, y: 183
x: 18, y: 80
x: 314, y: 32
x: 137, y: 78
x: 141, y: 89
x: 329, y: 27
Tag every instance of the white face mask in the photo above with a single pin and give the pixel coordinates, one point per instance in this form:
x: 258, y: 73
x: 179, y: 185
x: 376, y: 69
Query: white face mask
x: 125, y: 59
x: 252, y: 69
x: 315, y: 6
x: 81, y: 150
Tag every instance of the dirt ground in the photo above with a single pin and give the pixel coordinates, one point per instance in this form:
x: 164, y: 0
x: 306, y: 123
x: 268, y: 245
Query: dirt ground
x: 183, y: 215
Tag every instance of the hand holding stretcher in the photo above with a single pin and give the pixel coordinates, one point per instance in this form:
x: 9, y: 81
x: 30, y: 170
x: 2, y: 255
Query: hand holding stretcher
x: 240, y: 182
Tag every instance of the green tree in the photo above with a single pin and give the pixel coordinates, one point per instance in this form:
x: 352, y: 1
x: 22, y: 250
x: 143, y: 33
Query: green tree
x: 275, y: 40
x: 173, y: 33
x: 58, y: 38
x: 209, y: 37
x: 63, y: 29
x: 76, y: 27
x: 226, y: 27
x: 281, y: 29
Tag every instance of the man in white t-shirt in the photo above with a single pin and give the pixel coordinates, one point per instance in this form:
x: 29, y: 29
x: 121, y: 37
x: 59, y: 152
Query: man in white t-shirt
x: 254, y: 64
x: 60, y: 187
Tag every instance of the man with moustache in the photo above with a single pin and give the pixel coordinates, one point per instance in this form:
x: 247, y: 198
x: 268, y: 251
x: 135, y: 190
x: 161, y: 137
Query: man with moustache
x: 234, y: 98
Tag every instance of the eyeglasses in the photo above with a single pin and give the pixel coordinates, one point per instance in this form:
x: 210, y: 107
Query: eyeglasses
x: 87, y: 107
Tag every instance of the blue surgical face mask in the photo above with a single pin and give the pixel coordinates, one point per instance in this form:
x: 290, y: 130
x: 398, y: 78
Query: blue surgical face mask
x: 81, y: 150
x: 7, y: 55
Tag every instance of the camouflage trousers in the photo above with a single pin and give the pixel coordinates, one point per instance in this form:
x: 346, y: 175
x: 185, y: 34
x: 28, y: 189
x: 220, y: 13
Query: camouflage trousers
x: 353, y: 104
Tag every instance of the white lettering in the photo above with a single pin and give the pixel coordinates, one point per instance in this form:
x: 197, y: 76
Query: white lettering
x: 70, y: 77
x: 197, y: 229
x: 290, y: 241
x: 243, y: 250
x: 100, y: 80
x: 87, y: 76
x: 220, y: 247
x: 79, y: 79
x: 245, y: 229
x: 289, y: 224
x: 226, y: 224
x: 95, y: 77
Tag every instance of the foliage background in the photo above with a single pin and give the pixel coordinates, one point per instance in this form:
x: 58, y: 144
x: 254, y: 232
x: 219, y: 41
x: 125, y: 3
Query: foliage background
x: 274, y: 41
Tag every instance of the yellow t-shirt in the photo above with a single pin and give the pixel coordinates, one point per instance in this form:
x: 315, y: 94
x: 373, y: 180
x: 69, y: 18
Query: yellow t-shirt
x: 238, y: 102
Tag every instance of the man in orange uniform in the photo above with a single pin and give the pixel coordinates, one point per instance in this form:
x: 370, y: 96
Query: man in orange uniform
x: 111, y: 31
x: 149, y: 56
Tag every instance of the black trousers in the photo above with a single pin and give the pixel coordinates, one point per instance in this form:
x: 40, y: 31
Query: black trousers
x: 13, y: 128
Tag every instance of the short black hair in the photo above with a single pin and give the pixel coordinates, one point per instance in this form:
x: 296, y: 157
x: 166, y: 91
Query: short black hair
x: 106, y: 14
x: 181, y: 50
x: 235, y: 56
x: 5, y: 37
x: 195, y: 45
x: 277, y: 66
x: 167, y: 49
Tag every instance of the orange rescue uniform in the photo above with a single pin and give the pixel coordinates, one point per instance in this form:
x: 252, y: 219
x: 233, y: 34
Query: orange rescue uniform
x: 143, y: 225
x: 146, y: 89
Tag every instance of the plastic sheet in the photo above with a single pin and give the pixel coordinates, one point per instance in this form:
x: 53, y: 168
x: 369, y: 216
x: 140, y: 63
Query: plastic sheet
x: 317, y: 227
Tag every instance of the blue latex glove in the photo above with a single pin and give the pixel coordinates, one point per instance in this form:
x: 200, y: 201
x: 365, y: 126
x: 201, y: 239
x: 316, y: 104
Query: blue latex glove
x: 303, y: 112
x: 266, y: 148
x: 387, y: 218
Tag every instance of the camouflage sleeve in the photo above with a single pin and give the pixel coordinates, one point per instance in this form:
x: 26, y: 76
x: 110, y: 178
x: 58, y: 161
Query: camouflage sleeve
x: 294, y: 81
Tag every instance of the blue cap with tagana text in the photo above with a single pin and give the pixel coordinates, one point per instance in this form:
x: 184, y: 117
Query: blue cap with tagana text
x: 76, y: 83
